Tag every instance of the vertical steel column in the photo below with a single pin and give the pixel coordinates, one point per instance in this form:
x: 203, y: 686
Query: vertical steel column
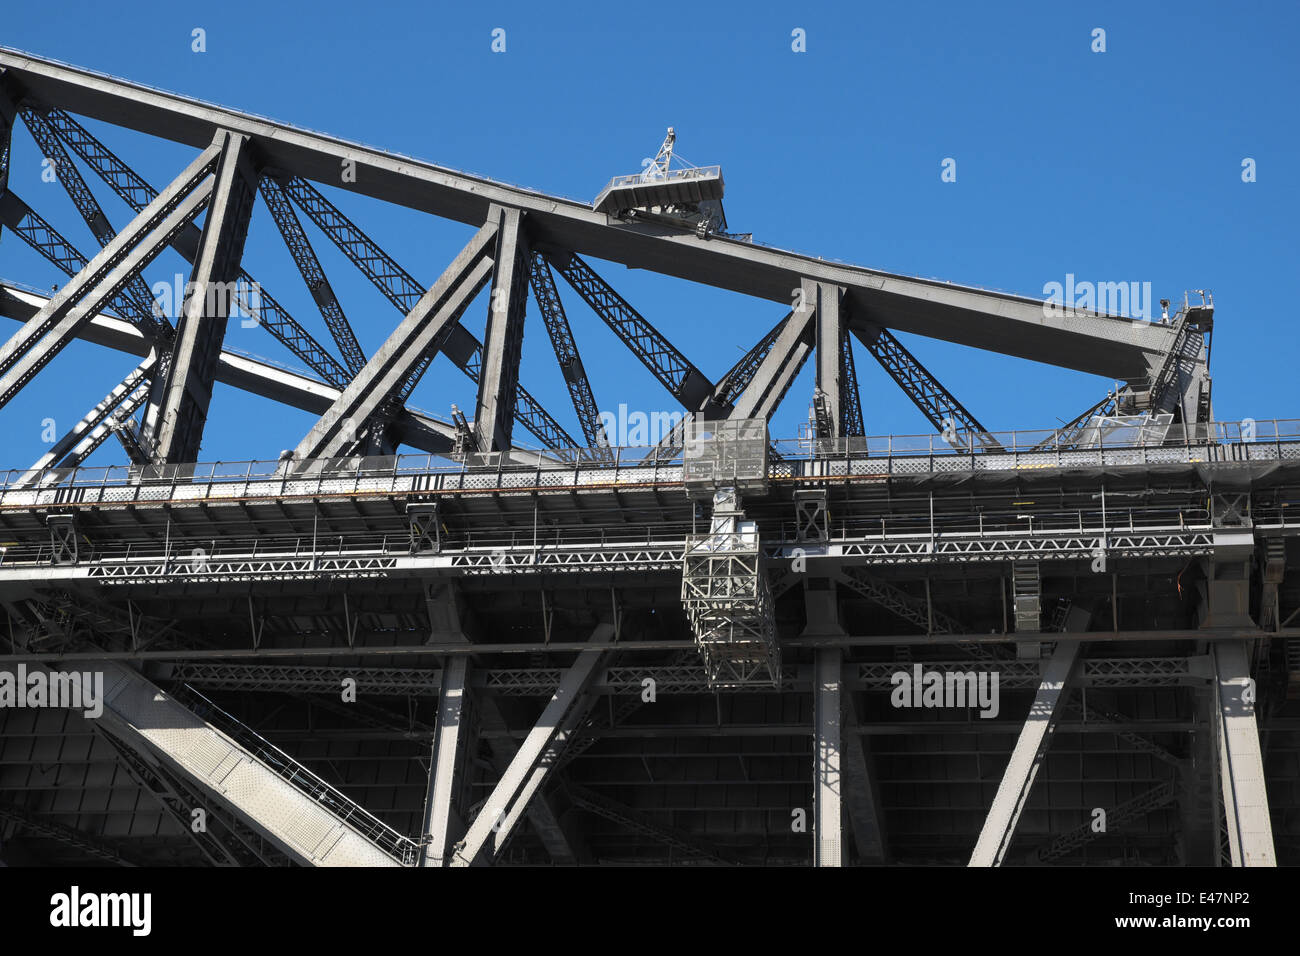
x: 1241, y: 766
x: 828, y: 810
x: 830, y: 333
x: 503, y: 339
x: 180, y: 409
x: 1199, y: 798
x: 443, y: 765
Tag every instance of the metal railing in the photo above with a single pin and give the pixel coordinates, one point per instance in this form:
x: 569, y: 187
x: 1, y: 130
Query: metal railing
x: 348, y: 811
x: 907, y: 454
x: 645, y: 178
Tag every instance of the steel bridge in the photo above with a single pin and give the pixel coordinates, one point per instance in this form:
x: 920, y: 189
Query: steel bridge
x: 412, y: 641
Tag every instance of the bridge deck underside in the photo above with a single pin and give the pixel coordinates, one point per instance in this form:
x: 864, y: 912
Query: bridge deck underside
x: 725, y: 771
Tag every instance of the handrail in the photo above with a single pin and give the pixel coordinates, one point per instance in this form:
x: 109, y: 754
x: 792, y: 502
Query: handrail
x: 348, y: 811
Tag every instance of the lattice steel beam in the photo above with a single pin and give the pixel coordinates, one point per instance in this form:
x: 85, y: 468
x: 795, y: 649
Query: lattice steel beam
x: 396, y: 284
x: 29, y: 226
x: 95, y: 218
x: 725, y: 394
x: 137, y: 193
x: 66, y: 835
x: 851, y: 423
x: 733, y: 384
x: 566, y: 350
x: 8, y: 117
x: 134, y: 386
x: 1126, y: 812
x: 674, y: 370
x: 426, y: 327
x: 304, y: 256
x: 949, y: 416
x: 50, y: 330
x: 1068, y: 434
x: 257, y: 377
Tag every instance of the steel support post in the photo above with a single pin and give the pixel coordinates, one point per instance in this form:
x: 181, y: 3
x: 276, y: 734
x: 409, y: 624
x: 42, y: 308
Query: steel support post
x: 861, y: 795
x: 1241, y: 767
x: 499, y: 377
x: 825, y: 301
x: 1000, y: 825
x: 440, y: 821
x: 828, y: 752
x: 179, y: 409
x: 501, y: 802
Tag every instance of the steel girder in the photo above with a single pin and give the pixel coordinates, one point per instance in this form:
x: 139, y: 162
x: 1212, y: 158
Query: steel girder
x: 69, y: 450
x: 684, y: 381
x: 179, y: 406
x: 529, y: 766
x: 1026, y: 758
x: 851, y: 423
x: 136, y: 193
x: 1241, y: 766
x: 948, y: 416
x: 426, y: 327
x: 829, y: 327
x: 828, y: 754
x: 1158, y: 796
x: 49, y: 331
x: 637, y: 822
x: 530, y: 794
x: 45, y: 239
x: 566, y: 350
x: 861, y: 790
x: 725, y: 394
x: 498, y: 382
x: 238, y: 370
x: 68, y: 835
x: 732, y: 385
x: 396, y: 284
x: 1014, y: 325
x: 8, y: 116
x: 304, y: 257
x: 1068, y: 434
x: 562, y: 848
x: 778, y: 368
x: 75, y: 186
x: 446, y: 763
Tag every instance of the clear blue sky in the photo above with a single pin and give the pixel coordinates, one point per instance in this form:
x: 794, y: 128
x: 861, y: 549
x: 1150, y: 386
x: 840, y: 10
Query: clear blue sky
x: 1115, y: 166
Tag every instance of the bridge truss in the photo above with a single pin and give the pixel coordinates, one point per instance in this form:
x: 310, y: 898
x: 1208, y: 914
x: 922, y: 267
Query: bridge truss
x: 419, y: 642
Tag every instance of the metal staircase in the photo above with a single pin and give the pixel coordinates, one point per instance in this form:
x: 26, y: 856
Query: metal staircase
x: 269, y: 790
